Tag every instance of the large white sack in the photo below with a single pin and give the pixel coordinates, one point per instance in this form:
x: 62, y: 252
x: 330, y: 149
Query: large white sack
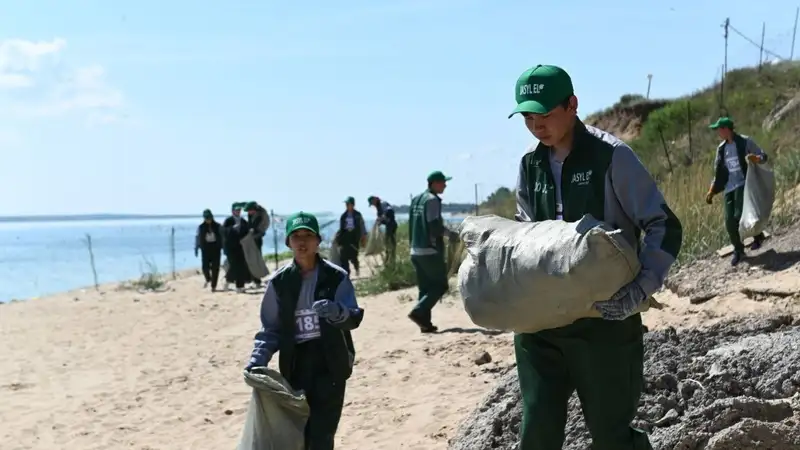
x: 277, y: 415
x: 531, y: 276
x: 253, y: 257
x: 374, y: 241
x: 759, y: 195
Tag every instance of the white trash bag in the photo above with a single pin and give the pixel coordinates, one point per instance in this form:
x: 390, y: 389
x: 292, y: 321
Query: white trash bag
x: 374, y: 241
x: 277, y: 415
x: 759, y: 196
x: 531, y: 276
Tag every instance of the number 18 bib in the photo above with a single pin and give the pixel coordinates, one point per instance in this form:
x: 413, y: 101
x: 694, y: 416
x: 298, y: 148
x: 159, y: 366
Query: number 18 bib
x: 307, y: 325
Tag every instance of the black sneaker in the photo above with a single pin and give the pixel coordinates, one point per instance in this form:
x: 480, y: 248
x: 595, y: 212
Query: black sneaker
x: 756, y: 243
x: 425, y: 327
x: 737, y: 258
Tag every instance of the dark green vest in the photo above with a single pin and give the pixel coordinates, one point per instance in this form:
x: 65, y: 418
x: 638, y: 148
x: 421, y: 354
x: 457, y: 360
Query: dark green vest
x: 583, y: 179
x: 418, y: 224
x: 721, y: 171
x: 337, y: 344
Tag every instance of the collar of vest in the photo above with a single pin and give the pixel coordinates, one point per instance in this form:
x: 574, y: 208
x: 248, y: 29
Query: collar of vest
x: 737, y: 140
x: 579, y: 137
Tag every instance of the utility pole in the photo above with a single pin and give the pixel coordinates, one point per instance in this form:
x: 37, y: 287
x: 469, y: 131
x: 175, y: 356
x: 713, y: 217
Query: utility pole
x: 649, y: 81
x: 725, y: 65
x: 761, y: 50
x: 476, y: 199
x: 794, y: 34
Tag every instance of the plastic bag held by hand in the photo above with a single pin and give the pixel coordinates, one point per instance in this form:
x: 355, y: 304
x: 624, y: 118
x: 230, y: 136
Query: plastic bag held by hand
x: 759, y: 195
x: 277, y: 415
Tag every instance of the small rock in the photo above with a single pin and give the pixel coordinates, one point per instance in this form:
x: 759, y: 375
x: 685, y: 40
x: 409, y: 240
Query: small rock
x: 482, y: 358
x: 228, y: 412
x: 669, y: 418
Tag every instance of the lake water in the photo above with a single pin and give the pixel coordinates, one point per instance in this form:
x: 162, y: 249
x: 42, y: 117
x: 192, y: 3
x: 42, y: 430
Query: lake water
x: 40, y: 258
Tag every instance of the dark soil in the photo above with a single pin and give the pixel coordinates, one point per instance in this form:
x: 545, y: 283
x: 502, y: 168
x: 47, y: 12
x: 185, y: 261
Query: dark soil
x: 732, y: 386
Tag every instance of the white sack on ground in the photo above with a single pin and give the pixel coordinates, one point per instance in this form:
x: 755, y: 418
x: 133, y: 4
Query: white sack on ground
x: 759, y: 195
x: 374, y: 241
x: 277, y: 415
x: 531, y: 276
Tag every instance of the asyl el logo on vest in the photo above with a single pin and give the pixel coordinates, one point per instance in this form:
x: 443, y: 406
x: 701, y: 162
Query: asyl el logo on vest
x: 542, y: 188
x: 528, y: 89
x: 582, y: 178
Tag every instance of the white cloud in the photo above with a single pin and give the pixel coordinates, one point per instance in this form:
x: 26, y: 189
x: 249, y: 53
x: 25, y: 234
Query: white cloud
x: 15, y: 80
x: 36, y: 82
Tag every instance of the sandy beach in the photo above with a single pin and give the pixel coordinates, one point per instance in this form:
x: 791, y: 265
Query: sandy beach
x: 123, y: 369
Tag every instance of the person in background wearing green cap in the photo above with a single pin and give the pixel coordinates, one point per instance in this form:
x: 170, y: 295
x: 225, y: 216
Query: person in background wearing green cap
x: 234, y: 229
x: 385, y: 213
x: 258, y: 220
x: 426, y: 235
x: 352, y: 235
x: 730, y: 170
x: 307, y: 313
x: 208, y: 240
x: 575, y: 170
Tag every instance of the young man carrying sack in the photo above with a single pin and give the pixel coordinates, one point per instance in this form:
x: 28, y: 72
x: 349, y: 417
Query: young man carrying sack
x: 576, y: 170
x: 730, y: 172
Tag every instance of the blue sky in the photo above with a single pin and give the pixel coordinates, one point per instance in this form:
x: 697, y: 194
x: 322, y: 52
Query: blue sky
x: 171, y: 107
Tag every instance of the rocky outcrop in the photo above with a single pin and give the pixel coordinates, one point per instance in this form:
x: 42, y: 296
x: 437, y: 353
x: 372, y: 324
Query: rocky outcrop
x: 735, y: 385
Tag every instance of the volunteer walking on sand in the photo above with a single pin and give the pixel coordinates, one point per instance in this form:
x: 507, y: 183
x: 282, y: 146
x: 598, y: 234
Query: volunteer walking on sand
x: 208, y: 242
x: 730, y: 171
x: 385, y: 213
x: 575, y: 170
x: 352, y: 235
x: 426, y: 234
x: 234, y: 229
x: 308, y: 311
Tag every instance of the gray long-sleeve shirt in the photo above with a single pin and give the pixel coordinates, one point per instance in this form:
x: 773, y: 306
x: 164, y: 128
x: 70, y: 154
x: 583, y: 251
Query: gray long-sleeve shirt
x: 632, y: 201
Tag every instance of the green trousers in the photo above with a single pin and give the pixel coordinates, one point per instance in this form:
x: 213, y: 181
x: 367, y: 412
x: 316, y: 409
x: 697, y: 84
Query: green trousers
x: 603, y: 361
x: 734, y: 200
x: 324, y: 395
x: 432, y: 283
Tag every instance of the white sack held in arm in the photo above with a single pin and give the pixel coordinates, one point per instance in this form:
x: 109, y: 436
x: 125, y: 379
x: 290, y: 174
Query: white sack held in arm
x: 759, y: 195
x: 277, y: 415
x: 531, y: 276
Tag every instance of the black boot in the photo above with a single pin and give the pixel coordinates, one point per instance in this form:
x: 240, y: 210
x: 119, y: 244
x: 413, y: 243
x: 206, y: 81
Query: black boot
x: 737, y: 257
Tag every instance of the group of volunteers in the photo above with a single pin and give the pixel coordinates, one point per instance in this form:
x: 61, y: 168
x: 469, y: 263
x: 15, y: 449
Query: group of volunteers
x: 309, y: 308
x: 213, y: 239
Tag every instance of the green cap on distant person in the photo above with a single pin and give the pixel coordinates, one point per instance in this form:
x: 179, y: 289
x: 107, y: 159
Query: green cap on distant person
x: 722, y: 122
x: 207, y: 214
x: 350, y: 200
x: 437, y: 175
x: 250, y: 205
x: 301, y: 221
x: 370, y: 199
x: 542, y: 88
x: 236, y: 205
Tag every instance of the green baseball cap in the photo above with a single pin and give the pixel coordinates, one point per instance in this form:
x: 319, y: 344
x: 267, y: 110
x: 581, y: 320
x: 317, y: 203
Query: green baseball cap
x: 207, y: 213
x: 250, y: 205
x: 542, y: 88
x: 437, y: 175
x: 722, y: 122
x: 301, y: 221
x: 350, y: 200
x: 237, y: 205
x: 370, y: 199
